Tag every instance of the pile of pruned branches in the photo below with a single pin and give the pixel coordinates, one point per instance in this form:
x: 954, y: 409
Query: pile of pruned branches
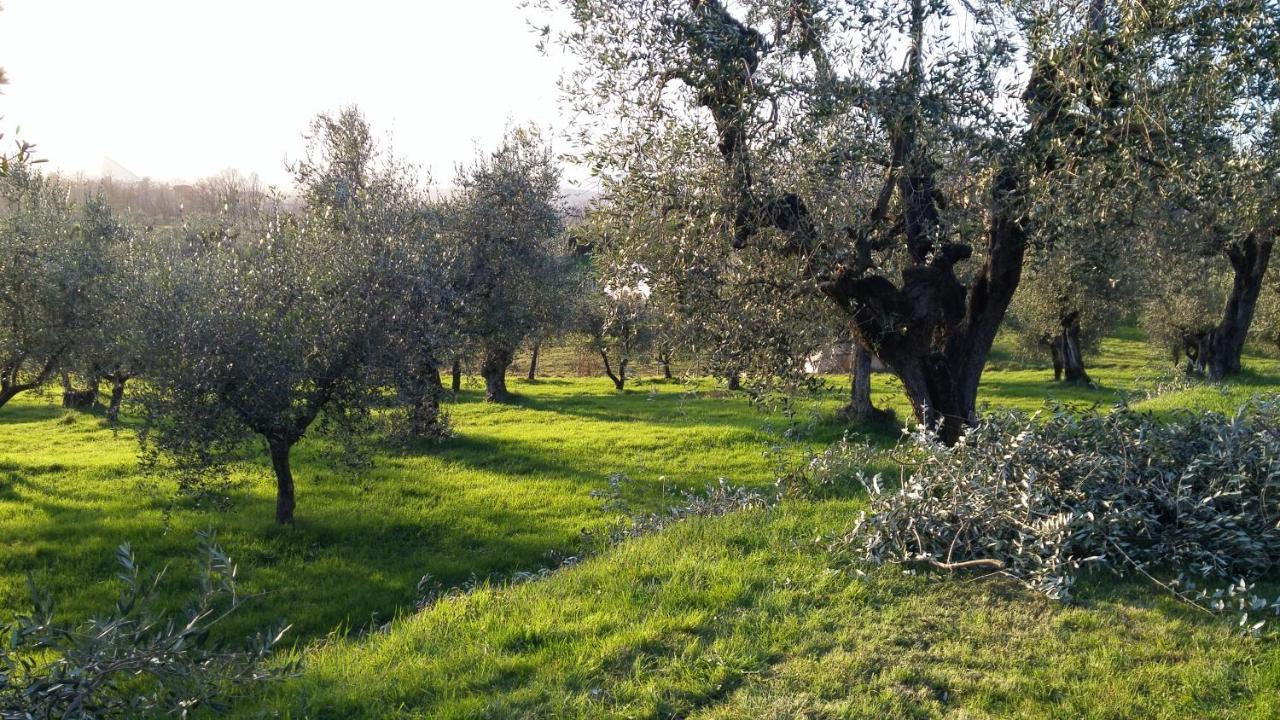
x: 1187, y: 498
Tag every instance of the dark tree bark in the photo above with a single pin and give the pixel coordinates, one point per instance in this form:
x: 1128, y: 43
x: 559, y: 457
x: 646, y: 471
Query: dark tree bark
x: 280, y: 447
x: 1068, y: 358
x: 620, y: 379
x: 456, y: 383
x: 734, y: 380
x: 117, y: 397
x: 425, y: 420
x: 11, y: 386
x: 494, y: 371
x: 1055, y: 352
x: 666, y: 367
x: 533, y: 362
x: 931, y: 330
x: 77, y: 399
x: 1249, y: 259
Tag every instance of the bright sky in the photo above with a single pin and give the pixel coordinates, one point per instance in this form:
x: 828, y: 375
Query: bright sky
x: 182, y: 89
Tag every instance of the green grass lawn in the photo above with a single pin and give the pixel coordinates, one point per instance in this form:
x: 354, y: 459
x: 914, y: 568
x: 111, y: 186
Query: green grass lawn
x: 744, y: 616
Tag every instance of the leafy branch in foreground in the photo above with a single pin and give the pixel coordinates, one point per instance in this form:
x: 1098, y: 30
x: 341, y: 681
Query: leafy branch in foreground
x: 136, y: 661
x: 1196, y: 496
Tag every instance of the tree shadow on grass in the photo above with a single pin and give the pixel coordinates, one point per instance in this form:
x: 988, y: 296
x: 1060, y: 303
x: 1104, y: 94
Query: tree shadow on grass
x: 17, y: 413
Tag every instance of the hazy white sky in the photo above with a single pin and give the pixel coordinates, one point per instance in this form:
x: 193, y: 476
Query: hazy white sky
x: 181, y: 89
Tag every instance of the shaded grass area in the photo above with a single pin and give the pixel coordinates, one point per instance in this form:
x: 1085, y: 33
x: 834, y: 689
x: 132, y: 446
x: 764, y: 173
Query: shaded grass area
x: 744, y: 616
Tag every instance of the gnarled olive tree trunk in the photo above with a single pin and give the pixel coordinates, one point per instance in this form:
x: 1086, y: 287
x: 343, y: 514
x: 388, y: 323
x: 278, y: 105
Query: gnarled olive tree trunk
x: 425, y: 419
x: 1068, y: 358
x: 494, y: 372
x: 118, y: 381
x: 456, y: 380
x: 74, y: 398
x: 1225, y: 343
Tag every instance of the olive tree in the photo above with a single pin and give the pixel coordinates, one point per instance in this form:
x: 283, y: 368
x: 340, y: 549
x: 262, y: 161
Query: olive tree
x: 51, y: 268
x: 507, y: 230
x: 863, y: 151
x: 258, y: 327
x: 1212, y: 90
x: 618, y: 325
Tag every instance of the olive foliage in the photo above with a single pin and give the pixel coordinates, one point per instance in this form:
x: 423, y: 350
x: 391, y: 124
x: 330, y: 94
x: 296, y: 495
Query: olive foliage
x: 267, y: 324
x: 866, y: 153
x: 52, y: 266
x: 1045, y: 499
x: 506, y: 228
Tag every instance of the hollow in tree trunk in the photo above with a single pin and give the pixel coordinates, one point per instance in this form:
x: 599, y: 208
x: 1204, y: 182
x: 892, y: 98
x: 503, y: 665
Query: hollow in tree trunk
x: 940, y: 354
x: 619, y: 379
x: 284, y: 479
x: 494, y: 371
x: 456, y: 380
x: 533, y: 362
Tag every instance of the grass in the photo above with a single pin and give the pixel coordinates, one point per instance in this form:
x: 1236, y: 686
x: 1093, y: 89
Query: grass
x: 741, y: 616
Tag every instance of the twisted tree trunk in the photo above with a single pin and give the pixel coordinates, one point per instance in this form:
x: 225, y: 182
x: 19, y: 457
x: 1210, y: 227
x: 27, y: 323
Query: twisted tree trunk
x: 11, y: 372
x: 118, y: 380
x: 76, y: 399
x: 425, y: 419
x: 1068, y: 359
x: 1225, y: 344
x: 494, y: 371
x: 666, y: 366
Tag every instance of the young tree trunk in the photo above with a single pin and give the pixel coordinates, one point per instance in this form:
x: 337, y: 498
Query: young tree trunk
x: 494, y: 371
x: 1067, y: 348
x: 117, y: 397
x: 457, y: 376
x: 533, y: 362
x: 424, y: 416
x: 620, y: 379
x: 1225, y: 343
x: 284, y: 479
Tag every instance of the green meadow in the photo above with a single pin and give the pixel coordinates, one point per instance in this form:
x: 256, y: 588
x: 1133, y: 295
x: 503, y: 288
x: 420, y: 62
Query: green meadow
x: 747, y: 615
